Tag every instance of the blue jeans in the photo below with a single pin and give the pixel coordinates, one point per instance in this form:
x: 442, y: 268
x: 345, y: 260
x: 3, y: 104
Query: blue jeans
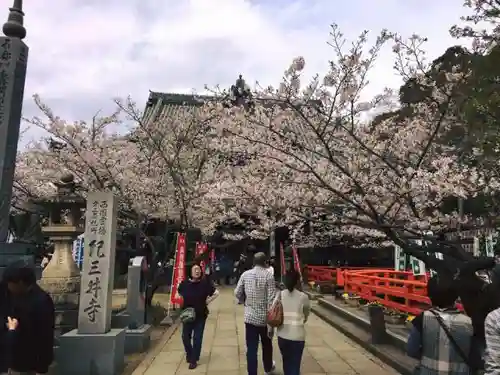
x: 192, y: 338
x: 291, y: 351
x: 252, y: 335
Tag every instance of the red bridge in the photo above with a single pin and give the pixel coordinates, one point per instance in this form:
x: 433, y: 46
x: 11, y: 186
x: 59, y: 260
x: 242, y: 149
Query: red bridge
x: 396, y: 290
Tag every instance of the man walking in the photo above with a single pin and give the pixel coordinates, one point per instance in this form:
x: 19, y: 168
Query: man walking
x: 257, y: 288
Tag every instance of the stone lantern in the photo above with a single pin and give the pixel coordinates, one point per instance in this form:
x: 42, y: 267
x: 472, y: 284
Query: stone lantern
x: 61, y: 277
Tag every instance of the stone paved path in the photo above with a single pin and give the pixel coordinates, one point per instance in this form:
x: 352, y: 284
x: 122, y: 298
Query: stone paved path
x: 327, y: 350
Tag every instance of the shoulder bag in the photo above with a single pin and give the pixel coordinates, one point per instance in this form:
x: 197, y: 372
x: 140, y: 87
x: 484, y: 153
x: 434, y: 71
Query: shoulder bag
x: 188, y: 315
x: 275, y: 314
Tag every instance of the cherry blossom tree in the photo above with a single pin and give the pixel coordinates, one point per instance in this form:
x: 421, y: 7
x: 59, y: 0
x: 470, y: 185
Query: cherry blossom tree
x: 314, y: 147
x: 99, y: 158
x: 161, y: 169
x: 481, y: 24
x: 363, y: 166
x: 179, y: 149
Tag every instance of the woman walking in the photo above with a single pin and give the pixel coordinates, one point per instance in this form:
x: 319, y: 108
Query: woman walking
x: 197, y: 293
x: 292, y: 333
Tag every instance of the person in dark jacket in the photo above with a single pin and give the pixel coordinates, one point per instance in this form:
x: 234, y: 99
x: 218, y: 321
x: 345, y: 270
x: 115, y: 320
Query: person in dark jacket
x: 197, y: 293
x: 7, y: 341
x: 32, y: 350
x: 7, y: 332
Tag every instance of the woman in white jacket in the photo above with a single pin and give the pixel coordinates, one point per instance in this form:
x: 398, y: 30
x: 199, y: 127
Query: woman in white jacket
x: 292, y: 333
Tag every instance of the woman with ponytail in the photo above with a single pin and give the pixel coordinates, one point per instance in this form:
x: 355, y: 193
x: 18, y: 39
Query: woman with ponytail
x: 292, y: 333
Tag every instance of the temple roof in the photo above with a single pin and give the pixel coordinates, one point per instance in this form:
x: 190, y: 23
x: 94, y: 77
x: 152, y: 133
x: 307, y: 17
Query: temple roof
x: 167, y: 105
x: 163, y: 105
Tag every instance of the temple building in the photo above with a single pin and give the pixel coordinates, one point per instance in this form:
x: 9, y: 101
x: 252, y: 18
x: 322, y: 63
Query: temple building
x: 164, y: 105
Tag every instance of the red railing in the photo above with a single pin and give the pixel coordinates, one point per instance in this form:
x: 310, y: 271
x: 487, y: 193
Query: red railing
x: 325, y: 274
x: 397, y: 290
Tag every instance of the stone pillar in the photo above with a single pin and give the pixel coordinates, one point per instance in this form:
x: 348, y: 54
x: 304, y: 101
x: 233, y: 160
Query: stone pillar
x: 377, y: 324
x: 95, y: 348
x: 138, y: 333
x: 136, y: 292
x: 98, y: 264
x: 13, y: 63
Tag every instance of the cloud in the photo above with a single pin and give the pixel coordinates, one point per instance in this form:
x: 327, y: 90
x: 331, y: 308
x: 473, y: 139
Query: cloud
x: 84, y: 53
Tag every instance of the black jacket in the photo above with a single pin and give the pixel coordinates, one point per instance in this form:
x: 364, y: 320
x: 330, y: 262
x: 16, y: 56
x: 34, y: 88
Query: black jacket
x: 33, y: 347
x: 6, y: 337
x: 7, y: 340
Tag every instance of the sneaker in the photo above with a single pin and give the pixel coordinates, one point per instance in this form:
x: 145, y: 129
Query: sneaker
x: 271, y: 372
x: 193, y: 365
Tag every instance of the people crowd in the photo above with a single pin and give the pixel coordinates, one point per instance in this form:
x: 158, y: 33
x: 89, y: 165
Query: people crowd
x: 441, y: 339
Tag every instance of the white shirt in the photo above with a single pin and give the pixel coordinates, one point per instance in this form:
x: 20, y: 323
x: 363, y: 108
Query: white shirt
x: 258, y: 289
x: 296, y: 308
x: 271, y: 270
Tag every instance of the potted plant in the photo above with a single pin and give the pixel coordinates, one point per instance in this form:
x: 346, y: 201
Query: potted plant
x: 394, y: 316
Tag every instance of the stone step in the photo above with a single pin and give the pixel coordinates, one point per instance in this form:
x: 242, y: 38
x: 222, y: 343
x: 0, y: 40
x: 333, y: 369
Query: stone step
x: 392, y: 355
x: 397, y: 334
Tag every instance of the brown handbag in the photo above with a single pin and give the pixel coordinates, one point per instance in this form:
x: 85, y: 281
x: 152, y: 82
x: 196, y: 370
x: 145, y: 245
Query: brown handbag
x: 275, y: 313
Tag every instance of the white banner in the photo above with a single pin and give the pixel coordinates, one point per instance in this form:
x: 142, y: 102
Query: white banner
x: 417, y: 266
x: 476, y: 247
x: 399, y: 259
x: 272, y: 245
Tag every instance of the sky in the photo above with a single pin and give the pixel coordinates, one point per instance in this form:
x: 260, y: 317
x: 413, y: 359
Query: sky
x: 84, y: 53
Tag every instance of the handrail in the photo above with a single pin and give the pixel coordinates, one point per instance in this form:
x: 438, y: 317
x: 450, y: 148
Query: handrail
x: 398, y: 290
x: 392, y: 289
x: 325, y: 274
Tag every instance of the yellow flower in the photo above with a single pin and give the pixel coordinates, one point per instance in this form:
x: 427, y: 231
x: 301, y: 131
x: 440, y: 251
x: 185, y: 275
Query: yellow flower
x: 345, y: 295
x: 409, y: 318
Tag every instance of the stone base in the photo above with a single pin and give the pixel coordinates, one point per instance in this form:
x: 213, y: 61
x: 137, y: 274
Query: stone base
x: 138, y: 340
x: 66, y: 311
x: 120, y: 320
x: 84, y: 354
x: 66, y: 319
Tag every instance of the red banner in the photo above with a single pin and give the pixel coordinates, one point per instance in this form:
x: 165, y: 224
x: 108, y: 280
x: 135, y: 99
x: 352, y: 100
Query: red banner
x: 296, y: 261
x: 282, y: 260
x: 179, y: 269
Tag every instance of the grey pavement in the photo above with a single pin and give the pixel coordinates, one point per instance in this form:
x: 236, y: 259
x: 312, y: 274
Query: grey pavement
x: 327, y: 352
